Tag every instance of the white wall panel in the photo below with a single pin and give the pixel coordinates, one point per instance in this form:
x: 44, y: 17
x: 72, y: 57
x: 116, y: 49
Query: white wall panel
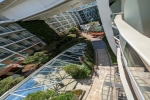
x: 136, y: 14
x: 116, y: 7
x: 28, y: 8
x: 104, y: 11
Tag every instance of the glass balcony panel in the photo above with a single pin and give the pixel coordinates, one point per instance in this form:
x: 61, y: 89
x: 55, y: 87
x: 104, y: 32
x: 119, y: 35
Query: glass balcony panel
x: 52, y: 21
x: 65, y: 14
x: 4, y: 30
x: 25, y: 34
x: 25, y: 44
x: 138, y: 70
x: 59, y: 15
x: 13, y: 27
x: 15, y: 47
x: 58, y: 63
x: 4, y: 53
x: 4, y: 41
x: 61, y: 18
x: 13, y: 37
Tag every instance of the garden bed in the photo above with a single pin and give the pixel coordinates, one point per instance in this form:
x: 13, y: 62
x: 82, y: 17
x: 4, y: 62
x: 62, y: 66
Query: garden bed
x: 8, y: 83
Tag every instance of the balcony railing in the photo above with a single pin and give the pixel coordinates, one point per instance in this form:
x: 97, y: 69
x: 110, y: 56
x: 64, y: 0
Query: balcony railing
x: 4, y: 41
x: 15, y: 48
x: 134, y: 51
x: 13, y: 39
x: 4, y: 30
x: 25, y: 44
x: 34, y: 41
x: 24, y: 35
x: 52, y: 21
x: 3, y: 55
x: 9, y: 29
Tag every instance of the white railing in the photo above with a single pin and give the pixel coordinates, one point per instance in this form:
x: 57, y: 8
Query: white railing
x: 135, y: 39
x: 135, y: 85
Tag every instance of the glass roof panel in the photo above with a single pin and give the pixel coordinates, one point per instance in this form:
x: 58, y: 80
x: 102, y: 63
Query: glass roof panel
x: 64, y: 58
x: 29, y: 84
x: 13, y: 97
x: 26, y: 92
x: 49, y: 75
x: 58, y: 63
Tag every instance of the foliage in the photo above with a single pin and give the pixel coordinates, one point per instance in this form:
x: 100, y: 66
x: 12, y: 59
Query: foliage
x: 8, y: 83
x: 113, y: 57
x: 74, y: 30
x: 40, y: 57
x: 41, y: 30
x: 77, y: 92
x: 65, y: 96
x: 29, y: 60
x: 88, y: 57
x: 76, y: 71
x: 40, y: 95
x: 50, y: 95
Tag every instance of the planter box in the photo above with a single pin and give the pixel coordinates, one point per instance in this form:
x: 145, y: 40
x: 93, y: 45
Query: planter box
x: 81, y: 96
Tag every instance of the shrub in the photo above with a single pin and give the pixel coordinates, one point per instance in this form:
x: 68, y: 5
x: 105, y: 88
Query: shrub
x: 65, y: 96
x: 40, y: 95
x: 50, y: 95
x: 74, y: 30
x: 76, y: 71
x: 40, y: 57
x: 8, y: 83
x: 29, y: 60
x: 77, y: 92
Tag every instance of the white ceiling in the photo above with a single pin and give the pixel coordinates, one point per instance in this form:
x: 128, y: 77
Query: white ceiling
x: 69, y: 4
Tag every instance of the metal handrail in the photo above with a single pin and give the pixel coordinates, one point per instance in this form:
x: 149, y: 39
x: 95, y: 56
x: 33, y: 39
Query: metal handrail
x: 130, y: 75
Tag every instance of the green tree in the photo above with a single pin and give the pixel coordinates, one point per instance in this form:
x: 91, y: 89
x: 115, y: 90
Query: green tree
x: 65, y: 96
x: 74, y: 30
x: 77, y: 71
x: 8, y: 83
x: 38, y: 57
x: 41, y: 95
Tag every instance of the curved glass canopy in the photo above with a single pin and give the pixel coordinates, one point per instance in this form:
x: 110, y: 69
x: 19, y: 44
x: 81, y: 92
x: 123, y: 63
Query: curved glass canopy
x: 50, y: 76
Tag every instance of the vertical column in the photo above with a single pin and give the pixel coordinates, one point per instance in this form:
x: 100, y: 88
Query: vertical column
x: 104, y: 11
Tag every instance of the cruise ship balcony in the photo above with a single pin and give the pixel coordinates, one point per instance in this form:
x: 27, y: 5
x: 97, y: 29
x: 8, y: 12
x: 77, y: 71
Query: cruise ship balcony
x: 61, y: 18
x: 14, y: 27
x: 4, y: 41
x: 15, y: 47
x: 27, y: 52
x: 25, y: 34
x: 4, y: 54
x: 135, y: 57
x: 25, y: 43
x: 51, y: 20
x: 33, y: 40
x: 4, y: 30
x: 13, y: 37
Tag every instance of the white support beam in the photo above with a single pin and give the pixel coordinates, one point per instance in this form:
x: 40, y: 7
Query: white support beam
x: 104, y: 11
x: 123, y: 77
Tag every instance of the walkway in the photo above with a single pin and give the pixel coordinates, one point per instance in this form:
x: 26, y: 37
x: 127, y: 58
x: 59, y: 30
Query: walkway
x: 101, y: 69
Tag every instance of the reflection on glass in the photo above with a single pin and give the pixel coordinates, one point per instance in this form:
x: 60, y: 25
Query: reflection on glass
x: 49, y: 75
x: 138, y: 70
